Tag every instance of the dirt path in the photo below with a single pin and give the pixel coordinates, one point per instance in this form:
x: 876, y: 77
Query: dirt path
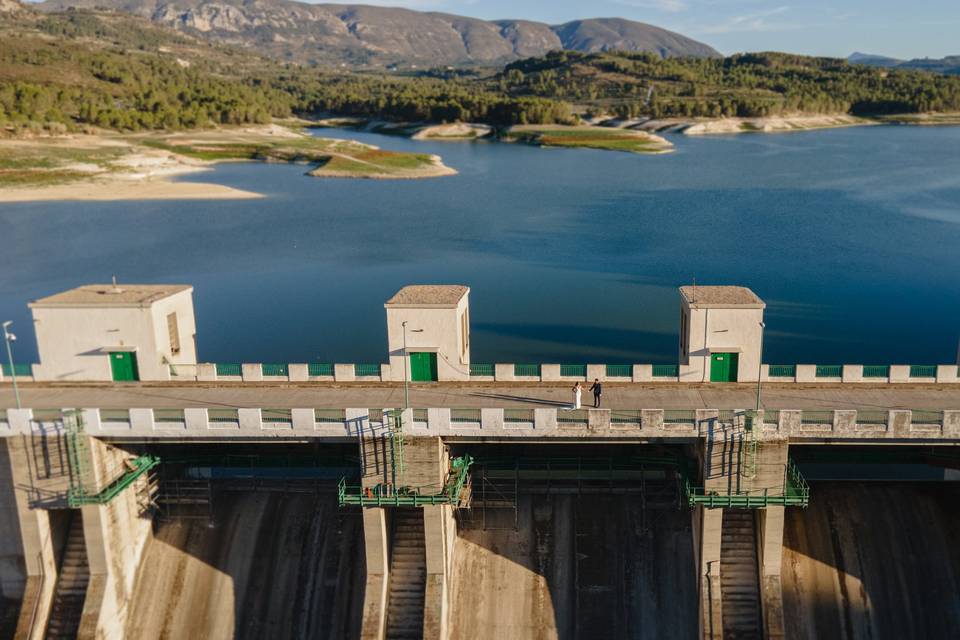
x: 873, y: 560
x: 273, y: 566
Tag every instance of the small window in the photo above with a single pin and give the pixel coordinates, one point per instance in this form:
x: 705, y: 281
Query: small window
x: 683, y: 334
x: 174, y: 332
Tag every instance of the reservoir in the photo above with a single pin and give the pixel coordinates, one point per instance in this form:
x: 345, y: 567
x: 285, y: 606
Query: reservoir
x: 852, y: 236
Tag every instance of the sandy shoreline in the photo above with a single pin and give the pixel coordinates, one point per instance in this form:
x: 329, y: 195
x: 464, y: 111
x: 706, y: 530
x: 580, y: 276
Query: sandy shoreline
x: 113, y: 190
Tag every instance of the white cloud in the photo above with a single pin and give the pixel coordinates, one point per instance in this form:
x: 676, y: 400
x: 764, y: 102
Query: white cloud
x: 670, y: 6
x: 756, y: 21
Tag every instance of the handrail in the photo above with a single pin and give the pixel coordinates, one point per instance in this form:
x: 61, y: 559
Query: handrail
x: 447, y: 493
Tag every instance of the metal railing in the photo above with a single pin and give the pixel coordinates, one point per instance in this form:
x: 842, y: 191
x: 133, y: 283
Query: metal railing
x: 923, y: 371
x: 388, y: 495
x: 680, y: 416
x: 619, y: 370
x: 330, y: 416
x: 320, y: 369
x: 666, y: 370
x: 783, y: 371
x: 627, y: 417
x: 526, y: 370
x: 223, y: 415
x: 873, y: 417
x: 465, y: 416
x: 877, y: 371
x: 482, y: 369
x: 168, y: 415
x: 573, y: 370
x: 364, y: 370
x: 277, y: 416
x: 816, y: 417
x: 275, y: 370
x: 21, y: 369
x: 795, y: 493
x: 229, y: 369
x: 829, y: 371
x: 927, y: 417
x: 573, y: 417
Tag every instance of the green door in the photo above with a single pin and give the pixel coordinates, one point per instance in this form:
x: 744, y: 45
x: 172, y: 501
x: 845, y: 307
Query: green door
x: 423, y: 367
x: 723, y: 367
x: 123, y: 364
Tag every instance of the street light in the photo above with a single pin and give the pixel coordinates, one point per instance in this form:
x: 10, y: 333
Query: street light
x: 406, y: 368
x: 760, y: 365
x: 8, y: 338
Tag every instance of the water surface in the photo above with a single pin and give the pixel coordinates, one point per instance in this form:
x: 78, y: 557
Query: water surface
x: 852, y: 237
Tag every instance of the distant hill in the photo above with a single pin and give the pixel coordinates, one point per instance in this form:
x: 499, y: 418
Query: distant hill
x: 381, y: 36
x: 949, y: 65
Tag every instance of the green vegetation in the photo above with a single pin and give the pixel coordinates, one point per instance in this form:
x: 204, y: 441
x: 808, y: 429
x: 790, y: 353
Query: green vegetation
x: 78, y: 70
x: 37, y: 165
x: 589, y: 137
x: 747, y: 85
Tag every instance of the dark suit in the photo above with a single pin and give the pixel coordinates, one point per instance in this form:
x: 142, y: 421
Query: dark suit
x: 597, y: 389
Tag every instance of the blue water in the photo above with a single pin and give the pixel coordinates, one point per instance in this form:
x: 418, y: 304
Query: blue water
x: 852, y: 237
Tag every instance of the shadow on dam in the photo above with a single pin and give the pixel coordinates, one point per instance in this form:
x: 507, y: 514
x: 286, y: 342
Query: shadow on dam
x: 873, y: 560
x: 595, y: 566
x: 270, y: 564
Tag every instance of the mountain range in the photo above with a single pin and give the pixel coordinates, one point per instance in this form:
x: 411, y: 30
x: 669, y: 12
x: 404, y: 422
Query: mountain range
x: 949, y: 65
x: 382, y: 36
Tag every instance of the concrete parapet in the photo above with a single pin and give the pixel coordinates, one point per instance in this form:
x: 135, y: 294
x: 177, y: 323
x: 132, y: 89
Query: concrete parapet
x: 491, y: 419
x: 344, y: 373
x: 373, y: 625
x: 707, y: 420
x: 196, y: 419
x: 550, y: 373
x: 947, y: 373
x: 951, y: 424
x: 844, y: 421
x: 688, y: 373
x: 141, y: 419
x: 806, y: 373
x: 852, y: 373
x: 596, y: 372
x: 438, y: 420
x: 251, y: 372
x: 206, y: 372
x: 503, y: 372
x: 898, y: 423
x: 710, y: 532
x: 250, y: 419
x: 304, y: 420
x: 545, y: 419
x: 652, y: 419
x: 298, y: 372
x: 790, y: 421
x: 643, y: 373
x: 899, y: 373
x: 598, y: 420
x: 439, y: 530
x: 20, y: 420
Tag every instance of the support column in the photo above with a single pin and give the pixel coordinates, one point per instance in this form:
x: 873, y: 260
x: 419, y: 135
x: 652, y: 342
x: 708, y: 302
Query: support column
x: 375, y: 594
x: 39, y: 476
x: 771, y: 559
x: 116, y: 535
x: 440, y: 532
x: 710, y: 528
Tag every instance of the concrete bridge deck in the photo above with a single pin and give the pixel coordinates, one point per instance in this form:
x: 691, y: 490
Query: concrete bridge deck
x: 457, y: 395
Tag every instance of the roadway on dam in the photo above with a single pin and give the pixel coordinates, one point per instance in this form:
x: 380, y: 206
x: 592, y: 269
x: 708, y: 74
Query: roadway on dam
x: 283, y: 395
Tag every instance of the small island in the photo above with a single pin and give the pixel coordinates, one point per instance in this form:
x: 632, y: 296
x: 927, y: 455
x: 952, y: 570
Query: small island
x: 112, y: 166
x: 590, y: 137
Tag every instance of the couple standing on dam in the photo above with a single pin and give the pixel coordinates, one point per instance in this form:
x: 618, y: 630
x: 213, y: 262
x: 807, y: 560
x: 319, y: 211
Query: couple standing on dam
x: 597, y: 389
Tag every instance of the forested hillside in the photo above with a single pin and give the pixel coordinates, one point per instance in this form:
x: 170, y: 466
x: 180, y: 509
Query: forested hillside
x: 77, y: 68
x: 754, y: 84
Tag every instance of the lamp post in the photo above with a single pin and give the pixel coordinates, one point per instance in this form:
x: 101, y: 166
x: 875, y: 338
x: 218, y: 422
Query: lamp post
x: 760, y: 364
x: 8, y: 338
x: 406, y: 366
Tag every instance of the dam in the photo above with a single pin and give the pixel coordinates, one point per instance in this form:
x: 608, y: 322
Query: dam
x: 145, y: 494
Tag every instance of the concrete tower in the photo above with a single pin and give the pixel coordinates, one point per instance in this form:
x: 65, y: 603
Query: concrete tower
x: 721, y: 331
x: 115, y: 332
x: 437, y: 331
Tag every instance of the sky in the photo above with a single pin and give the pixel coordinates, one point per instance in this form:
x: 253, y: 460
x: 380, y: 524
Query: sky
x: 921, y: 28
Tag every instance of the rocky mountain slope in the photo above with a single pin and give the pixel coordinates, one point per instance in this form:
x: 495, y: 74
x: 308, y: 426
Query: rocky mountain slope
x: 949, y: 65
x: 378, y: 36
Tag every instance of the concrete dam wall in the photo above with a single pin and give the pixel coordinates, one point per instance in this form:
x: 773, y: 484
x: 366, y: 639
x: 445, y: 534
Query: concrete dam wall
x: 273, y: 565
x: 873, y: 560
x: 588, y: 567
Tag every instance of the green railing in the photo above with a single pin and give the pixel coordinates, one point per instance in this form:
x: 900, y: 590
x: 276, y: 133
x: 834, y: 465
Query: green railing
x: 783, y: 371
x: 465, y: 416
x: 320, y: 369
x: 515, y: 416
x: 482, y: 369
x: 927, y: 417
x: 223, y: 415
x: 876, y: 371
x: 795, y: 493
x: 626, y: 416
x: 573, y: 370
x: 873, y: 417
x: 134, y: 469
x: 829, y: 371
x: 666, y: 370
x: 619, y: 370
x: 229, y: 369
x: 771, y: 417
x: 20, y: 369
x: 526, y: 370
x: 329, y: 416
x: 386, y: 495
x: 923, y: 371
x: 680, y: 416
x: 168, y: 415
x: 575, y: 417
x: 816, y: 417
x: 277, y: 416
x: 366, y: 370
x: 274, y: 370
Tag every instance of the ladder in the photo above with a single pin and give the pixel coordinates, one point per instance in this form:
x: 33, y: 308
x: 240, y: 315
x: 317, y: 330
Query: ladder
x: 78, y: 456
x: 395, y: 433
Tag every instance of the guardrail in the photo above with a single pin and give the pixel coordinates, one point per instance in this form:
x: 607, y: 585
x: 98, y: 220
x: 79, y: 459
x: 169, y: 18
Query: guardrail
x: 494, y: 422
